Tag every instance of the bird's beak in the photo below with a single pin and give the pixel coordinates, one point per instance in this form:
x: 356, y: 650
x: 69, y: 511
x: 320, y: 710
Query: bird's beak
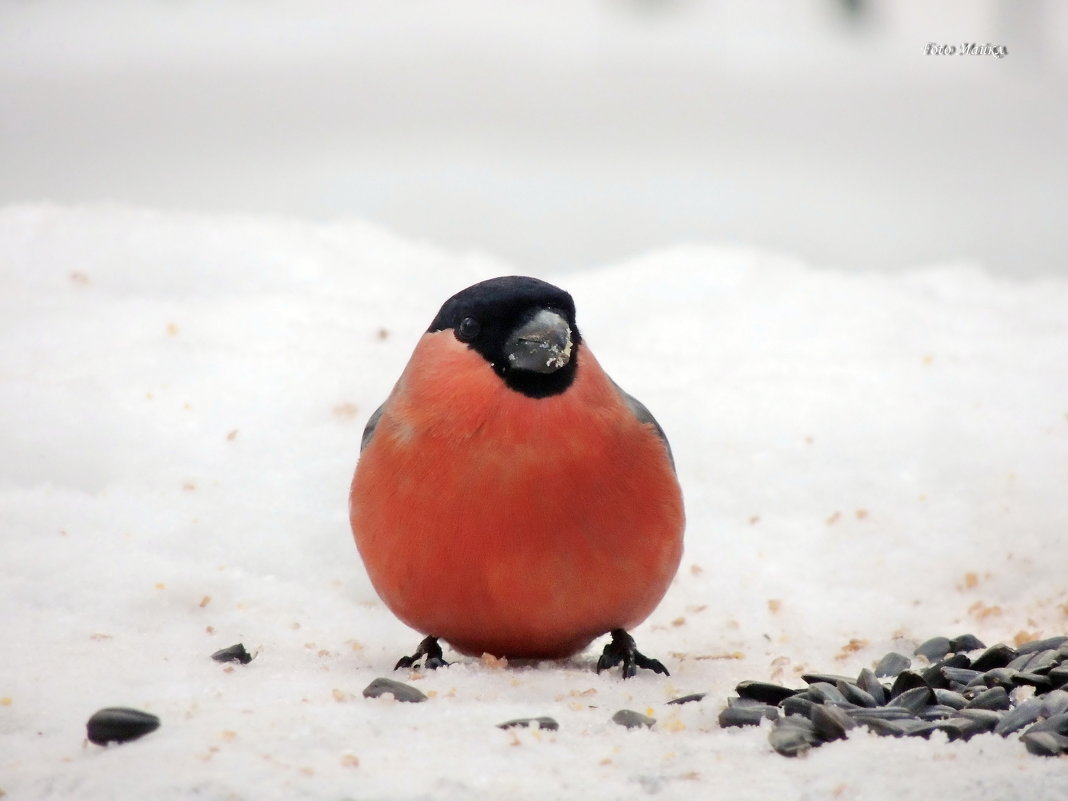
x: 541, y: 346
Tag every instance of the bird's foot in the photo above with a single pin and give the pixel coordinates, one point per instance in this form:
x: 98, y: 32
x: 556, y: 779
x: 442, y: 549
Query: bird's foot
x: 624, y: 650
x: 428, y: 648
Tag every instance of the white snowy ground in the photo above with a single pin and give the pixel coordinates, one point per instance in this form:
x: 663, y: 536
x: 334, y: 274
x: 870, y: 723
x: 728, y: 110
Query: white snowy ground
x: 868, y: 460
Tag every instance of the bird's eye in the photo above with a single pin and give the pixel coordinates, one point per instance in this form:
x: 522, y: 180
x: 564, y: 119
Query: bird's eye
x: 468, y: 329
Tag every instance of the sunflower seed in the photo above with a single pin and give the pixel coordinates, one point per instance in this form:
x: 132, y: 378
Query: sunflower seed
x: 906, y: 680
x: 965, y: 642
x: 826, y: 678
x: 892, y: 664
x: 854, y: 694
x: 746, y: 715
x: 934, y: 676
x: 1000, y: 677
x: 745, y: 702
x: 882, y: 712
x: 1054, y: 723
x: 825, y: 693
x: 914, y: 700
x: 764, y: 692
x: 1058, y: 676
x: 936, y: 712
x: 235, y: 653
x: 1035, y: 680
x: 1023, y: 715
x: 1042, y: 662
x: 883, y: 726
x: 994, y: 657
x: 1042, y: 645
x: 795, y: 705
x: 790, y: 738
x: 831, y: 723
x: 986, y: 717
x: 544, y: 722
x: 960, y: 676
x: 630, y: 719
x: 950, y: 698
x: 962, y: 728
x: 867, y: 681
x: 994, y: 698
x: 1055, y: 703
x: 398, y: 689
x: 1046, y: 743
x: 1020, y: 662
x: 951, y: 728
x: 934, y: 649
x: 685, y: 699
x: 118, y: 724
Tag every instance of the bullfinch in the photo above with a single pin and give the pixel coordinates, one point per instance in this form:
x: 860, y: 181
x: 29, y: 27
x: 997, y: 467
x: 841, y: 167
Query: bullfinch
x: 509, y: 497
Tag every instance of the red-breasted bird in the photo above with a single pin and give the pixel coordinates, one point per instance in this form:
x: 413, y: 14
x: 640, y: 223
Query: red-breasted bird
x: 510, y: 498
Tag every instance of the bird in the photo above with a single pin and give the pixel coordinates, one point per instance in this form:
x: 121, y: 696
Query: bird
x: 509, y: 497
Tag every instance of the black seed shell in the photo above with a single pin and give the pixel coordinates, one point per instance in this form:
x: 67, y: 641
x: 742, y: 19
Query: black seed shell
x: 746, y: 715
x: 934, y: 649
x: 544, y: 722
x: 398, y: 689
x: 685, y: 699
x: 994, y: 657
x: 632, y: 720
x: 965, y: 642
x: 233, y: 653
x: 1042, y: 645
x: 892, y: 664
x: 764, y: 692
x: 993, y: 699
x: 792, y: 736
x: 119, y: 724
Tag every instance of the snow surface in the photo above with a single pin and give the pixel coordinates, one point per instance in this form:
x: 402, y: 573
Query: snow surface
x: 868, y: 460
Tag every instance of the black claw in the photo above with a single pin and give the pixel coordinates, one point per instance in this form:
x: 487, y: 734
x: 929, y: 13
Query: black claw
x: 624, y: 650
x: 428, y: 648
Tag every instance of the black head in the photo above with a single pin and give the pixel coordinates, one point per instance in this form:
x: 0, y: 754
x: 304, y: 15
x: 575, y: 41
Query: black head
x: 524, y: 328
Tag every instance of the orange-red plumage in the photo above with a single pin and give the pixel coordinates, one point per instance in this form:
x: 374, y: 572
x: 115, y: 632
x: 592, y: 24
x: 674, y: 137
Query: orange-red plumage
x: 514, y: 525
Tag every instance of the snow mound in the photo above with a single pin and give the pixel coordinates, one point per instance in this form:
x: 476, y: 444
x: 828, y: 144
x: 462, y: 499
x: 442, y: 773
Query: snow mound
x: 868, y: 461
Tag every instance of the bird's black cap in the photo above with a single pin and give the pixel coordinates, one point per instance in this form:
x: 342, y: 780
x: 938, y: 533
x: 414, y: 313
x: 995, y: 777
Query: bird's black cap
x: 486, y: 315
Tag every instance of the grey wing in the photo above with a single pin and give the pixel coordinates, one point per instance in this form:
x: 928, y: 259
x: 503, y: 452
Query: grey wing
x: 645, y: 416
x: 369, y: 429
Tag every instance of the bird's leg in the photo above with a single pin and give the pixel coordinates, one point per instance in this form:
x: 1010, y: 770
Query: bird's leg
x: 624, y: 649
x: 431, y: 650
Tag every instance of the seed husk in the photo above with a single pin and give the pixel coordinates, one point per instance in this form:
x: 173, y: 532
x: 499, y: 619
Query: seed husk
x: 933, y: 649
x: 892, y: 664
x: 764, y: 692
x: 965, y: 642
x: 994, y: 657
x: 398, y: 689
x: 544, y: 722
x: 233, y: 653
x: 119, y: 724
x: 686, y: 699
x: 630, y: 719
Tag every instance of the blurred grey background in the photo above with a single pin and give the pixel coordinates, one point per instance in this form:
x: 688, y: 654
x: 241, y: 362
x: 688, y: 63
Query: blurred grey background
x: 559, y: 134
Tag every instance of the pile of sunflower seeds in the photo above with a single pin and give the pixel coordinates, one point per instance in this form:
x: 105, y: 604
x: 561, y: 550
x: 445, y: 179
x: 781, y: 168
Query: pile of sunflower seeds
x: 960, y: 688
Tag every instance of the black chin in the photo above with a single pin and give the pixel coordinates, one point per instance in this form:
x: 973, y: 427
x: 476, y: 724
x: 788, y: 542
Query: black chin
x: 540, y: 385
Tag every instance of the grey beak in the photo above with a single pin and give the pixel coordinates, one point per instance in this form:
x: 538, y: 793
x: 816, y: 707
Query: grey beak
x: 541, y: 346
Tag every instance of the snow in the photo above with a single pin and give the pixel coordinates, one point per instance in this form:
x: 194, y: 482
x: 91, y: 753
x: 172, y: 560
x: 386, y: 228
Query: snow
x: 868, y: 459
